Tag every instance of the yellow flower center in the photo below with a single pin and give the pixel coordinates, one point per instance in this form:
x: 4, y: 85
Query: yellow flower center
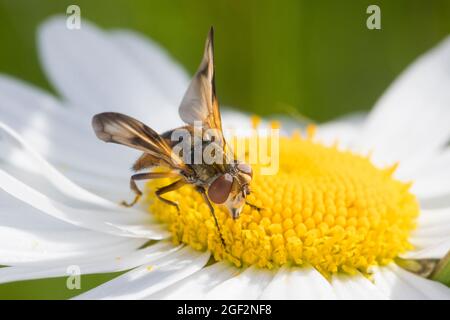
x: 327, y: 208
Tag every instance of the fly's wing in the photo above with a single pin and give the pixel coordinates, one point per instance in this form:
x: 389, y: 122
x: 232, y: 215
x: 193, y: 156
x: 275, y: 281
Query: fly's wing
x: 171, y: 140
x: 200, y: 103
x: 121, y: 129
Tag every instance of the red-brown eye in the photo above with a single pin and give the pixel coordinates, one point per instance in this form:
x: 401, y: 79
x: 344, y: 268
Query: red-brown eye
x: 245, y: 168
x: 220, y: 189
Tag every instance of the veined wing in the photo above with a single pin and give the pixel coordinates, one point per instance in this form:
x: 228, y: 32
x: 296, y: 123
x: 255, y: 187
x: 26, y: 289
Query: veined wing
x: 122, y: 129
x: 200, y: 102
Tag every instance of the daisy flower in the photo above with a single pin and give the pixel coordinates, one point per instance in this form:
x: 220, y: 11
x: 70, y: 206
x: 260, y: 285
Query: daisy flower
x: 350, y: 198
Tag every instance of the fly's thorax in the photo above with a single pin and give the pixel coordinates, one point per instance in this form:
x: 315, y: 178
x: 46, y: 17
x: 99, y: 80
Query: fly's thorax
x: 205, y: 173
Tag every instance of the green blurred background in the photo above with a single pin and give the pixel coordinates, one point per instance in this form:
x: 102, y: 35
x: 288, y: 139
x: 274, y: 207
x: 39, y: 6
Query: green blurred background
x: 316, y: 58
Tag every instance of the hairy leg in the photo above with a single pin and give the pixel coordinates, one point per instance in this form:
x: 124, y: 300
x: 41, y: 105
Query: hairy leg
x: 145, y: 176
x: 171, y: 187
x: 211, y: 209
x: 253, y: 206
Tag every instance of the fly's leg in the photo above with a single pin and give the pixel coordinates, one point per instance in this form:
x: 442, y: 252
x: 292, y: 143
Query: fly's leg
x: 211, y: 209
x: 171, y: 187
x: 253, y: 206
x: 144, y: 176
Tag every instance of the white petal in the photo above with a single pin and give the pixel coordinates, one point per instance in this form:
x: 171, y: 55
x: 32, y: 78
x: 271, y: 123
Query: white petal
x: 433, y: 223
x: 35, y: 245
x: 111, y: 263
x: 397, y: 283
x: 198, y: 284
x: 440, y: 231
x: 58, y: 132
x: 30, y: 237
x: 389, y: 283
x: 45, y: 178
x: 430, y: 218
x: 236, y: 121
x: 432, y: 180
x: 15, y: 150
x: 434, y: 249
x: 133, y: 224
x: 304, y: 283
x: 107, y: 187
x: 165, y: 74
x: 355, y: 287
x: 344, y: 131
x: 249, y: 284
x: 91, y: 71
x: 435, y: 202
x: 410, y: 121
x: 152, y: 277
x: 432, y: 236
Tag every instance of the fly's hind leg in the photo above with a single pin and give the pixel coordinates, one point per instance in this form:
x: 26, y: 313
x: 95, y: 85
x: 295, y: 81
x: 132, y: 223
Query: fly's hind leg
x: 144, y: 176
x: 211, y: 209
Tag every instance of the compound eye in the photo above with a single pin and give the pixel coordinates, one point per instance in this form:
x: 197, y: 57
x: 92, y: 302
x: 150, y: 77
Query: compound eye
x: 245, y: 168
x: 220, y: 189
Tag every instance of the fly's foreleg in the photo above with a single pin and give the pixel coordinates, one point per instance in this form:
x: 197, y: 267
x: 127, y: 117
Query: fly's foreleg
x: 253, y: 206
x: 211, y: 209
